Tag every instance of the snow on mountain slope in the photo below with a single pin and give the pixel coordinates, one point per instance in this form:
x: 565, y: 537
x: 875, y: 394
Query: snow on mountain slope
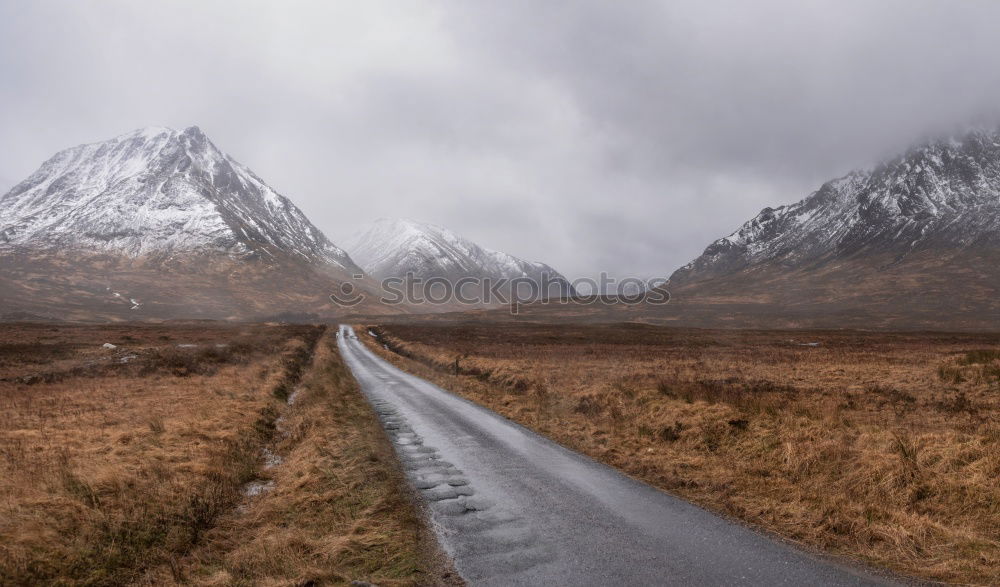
x: 157, y: 192
x: 395, y: 247
x: 944, y: 195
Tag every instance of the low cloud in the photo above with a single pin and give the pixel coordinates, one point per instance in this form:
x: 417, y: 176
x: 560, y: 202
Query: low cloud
x: 594, y: 136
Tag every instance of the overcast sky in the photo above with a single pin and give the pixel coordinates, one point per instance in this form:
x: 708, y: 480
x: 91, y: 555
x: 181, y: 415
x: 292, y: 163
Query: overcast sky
x: 594, y: 136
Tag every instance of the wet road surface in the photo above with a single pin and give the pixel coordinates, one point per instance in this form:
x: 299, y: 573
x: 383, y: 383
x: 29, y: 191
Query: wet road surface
x: 513, y: 508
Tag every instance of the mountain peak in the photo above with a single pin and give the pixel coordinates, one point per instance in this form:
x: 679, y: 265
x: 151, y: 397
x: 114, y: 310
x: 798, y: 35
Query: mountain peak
x: 943, y: 193
x: 395, y: 247
x: 156, y: 191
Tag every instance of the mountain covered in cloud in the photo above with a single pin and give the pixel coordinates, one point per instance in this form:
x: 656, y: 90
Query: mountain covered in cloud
x: 167, y: 222
x: 398, y: 248
x: 912, y: 241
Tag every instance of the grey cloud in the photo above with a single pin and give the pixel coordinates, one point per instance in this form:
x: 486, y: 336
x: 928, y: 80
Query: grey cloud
x: 594, y: 136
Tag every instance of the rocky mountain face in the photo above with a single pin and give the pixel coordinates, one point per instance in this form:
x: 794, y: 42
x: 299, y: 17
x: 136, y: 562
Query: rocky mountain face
x: 911, y: 242
x: 397, y: 248
x: 160, y: 223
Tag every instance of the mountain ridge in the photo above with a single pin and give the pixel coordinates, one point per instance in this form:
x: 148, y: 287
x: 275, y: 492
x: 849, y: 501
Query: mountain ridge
x: 913, y: 242
x: 392, y: 247
x: 944, y: 193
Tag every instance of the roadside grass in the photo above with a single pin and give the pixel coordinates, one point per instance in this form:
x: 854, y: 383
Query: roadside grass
x: 880, y: 447
x: 131, y: 465
x: 339, y: 510
x: 105, y: 475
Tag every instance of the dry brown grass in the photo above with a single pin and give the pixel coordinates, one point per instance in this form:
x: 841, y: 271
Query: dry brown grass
x: 339, y: 510
x: 109, y: 465
x: 130, y: 464
x: 882, y: 447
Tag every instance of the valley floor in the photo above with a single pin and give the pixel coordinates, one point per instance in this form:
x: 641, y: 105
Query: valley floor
x: 880, y: 447
x: 197, y: 454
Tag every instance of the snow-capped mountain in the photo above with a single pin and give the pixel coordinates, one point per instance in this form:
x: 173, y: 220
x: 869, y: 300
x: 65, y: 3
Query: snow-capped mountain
x: 945, y: 194
x: 911, y: 242
x: 396, y: 248
x: 156, y: 192
x: 160, y: 223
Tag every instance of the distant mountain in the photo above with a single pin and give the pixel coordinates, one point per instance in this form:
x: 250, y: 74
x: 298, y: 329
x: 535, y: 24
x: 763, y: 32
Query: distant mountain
x: 396, y: 248
x: 160, y: 223
x: 913, y: 242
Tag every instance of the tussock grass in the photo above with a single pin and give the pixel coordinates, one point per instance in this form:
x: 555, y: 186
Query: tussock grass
x: 339, y: 510
x: 137, y: 472
x: 109, y: 473
x: 881, y: 447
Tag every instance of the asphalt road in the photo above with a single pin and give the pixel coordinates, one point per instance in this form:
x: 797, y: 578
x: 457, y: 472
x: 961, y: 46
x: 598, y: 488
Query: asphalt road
x: 513, y: 508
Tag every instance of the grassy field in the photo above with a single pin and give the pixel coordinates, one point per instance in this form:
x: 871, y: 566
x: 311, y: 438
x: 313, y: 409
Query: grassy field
x: 880, y: 447
x: 196, y: 453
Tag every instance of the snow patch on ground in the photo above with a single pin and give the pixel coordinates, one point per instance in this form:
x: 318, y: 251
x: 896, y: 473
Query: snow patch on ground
x: 257, y: 487
x: 271, y: 459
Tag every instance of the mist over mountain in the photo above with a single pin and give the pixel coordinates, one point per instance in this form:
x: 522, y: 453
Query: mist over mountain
x: 160, y: 223
x: 914, y: 240
x: 400, y: 248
